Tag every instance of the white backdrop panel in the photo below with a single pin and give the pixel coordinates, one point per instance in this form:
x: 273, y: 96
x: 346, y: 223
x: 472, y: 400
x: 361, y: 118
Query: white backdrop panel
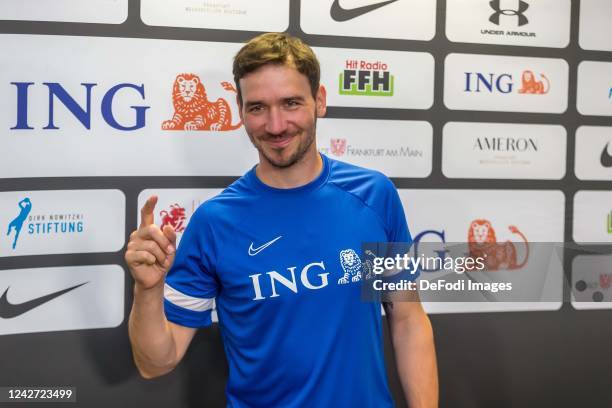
x: 503, y: 150
x: 247, y: 15
x: 61, y: 222
x: 507, y: 84
x: 398, y: 148
x: 150, y: 67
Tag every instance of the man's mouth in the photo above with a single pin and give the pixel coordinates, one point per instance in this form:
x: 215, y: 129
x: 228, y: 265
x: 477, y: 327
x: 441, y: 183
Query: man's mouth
x: 278, y: 142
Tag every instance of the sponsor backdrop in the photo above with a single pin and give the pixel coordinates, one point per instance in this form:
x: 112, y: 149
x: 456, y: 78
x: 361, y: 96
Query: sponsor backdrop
x: 485, y: 114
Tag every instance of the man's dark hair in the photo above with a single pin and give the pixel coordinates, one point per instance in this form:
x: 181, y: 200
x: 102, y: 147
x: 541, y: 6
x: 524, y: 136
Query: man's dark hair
x: 280, y: 49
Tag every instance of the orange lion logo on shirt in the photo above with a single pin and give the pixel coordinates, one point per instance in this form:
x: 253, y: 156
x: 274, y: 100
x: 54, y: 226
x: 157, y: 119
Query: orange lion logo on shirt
x: 192, y: 109
x: 483, y: 243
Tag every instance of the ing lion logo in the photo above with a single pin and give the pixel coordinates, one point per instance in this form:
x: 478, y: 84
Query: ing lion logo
x: 483, y: 243
x: 529, y: 84
x: 175, y: 218
x: 351, y: 264
x: 192, y: 109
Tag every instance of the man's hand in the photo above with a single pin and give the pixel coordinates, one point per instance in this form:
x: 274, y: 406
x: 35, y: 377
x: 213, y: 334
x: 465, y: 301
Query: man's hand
x: 150, y: 252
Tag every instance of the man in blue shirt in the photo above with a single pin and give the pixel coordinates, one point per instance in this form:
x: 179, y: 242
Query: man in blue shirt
x: 278, y: 251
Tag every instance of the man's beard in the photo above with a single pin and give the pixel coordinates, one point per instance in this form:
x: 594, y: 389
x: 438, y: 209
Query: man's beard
x: 295, y: 157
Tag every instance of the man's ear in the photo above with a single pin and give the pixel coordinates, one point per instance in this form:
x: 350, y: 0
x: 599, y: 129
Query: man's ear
x: 321, y: 101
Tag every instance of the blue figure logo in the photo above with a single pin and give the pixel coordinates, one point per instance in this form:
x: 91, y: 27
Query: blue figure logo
x: 25, y: 206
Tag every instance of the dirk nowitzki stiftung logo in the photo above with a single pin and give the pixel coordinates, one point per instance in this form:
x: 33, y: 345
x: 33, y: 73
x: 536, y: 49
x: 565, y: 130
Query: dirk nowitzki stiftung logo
x: 193, y: 110
x: 44, y: 224
x: 25, y: 206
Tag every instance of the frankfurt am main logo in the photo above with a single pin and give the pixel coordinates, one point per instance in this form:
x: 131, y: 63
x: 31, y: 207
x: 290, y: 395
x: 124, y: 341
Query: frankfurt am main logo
x: 341, y: 14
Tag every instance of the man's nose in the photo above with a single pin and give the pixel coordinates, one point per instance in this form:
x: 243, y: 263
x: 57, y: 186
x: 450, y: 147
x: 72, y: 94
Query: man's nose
x: 276, y: 123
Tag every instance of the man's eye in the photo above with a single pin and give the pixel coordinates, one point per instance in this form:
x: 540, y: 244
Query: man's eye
x: 255, y: 108
x: 292, y: 103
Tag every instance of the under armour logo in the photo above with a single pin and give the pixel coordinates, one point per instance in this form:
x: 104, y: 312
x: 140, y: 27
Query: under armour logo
x: 522, y: 20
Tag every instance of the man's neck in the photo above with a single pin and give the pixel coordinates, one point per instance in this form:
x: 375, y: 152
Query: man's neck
x: 297, y: 175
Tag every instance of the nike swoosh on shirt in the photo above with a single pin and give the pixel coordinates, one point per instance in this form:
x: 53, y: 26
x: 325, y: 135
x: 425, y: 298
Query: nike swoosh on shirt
x: 9, y: 310
x: 342, y: 14
x: 255, y: 251
x: 606, y: 159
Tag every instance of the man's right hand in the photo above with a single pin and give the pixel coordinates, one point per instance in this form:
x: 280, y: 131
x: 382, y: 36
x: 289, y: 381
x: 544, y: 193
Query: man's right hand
x: 150, y: 252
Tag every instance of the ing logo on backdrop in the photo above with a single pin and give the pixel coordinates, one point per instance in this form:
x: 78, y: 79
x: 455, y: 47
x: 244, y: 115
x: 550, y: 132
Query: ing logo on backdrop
x: 482, y: 242
x: 193, y: 110
x: 504, y: 83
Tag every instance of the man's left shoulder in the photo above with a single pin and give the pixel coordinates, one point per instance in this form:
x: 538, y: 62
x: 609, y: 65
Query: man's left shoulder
x: 360, y: 181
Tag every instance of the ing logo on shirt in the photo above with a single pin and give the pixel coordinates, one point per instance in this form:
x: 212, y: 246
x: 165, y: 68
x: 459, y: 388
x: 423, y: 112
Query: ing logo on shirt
x: 312, y: 276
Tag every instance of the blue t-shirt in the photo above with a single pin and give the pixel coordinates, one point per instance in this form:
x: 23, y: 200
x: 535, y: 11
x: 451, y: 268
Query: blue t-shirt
x: 282, y: 266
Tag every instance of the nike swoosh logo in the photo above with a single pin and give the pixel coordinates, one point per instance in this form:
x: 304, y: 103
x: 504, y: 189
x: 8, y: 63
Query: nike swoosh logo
x: 255, y: 251
x: 606, y: 159
x: 341, y: 14
x: 9, y: 310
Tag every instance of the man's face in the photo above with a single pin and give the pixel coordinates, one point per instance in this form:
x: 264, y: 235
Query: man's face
x: 279, y: 113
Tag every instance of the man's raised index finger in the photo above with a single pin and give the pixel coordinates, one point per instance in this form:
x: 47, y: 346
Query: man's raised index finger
x: 146, y: 212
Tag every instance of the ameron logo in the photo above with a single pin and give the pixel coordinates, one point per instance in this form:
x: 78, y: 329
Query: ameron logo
x: 482, y: 242
x: 193, y: 110
x: 504, y: 83
x: 175, y: 217
x: 337, y: 146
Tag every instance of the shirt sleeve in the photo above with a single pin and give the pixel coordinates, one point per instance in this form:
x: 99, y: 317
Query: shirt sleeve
x: 191, y: 284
